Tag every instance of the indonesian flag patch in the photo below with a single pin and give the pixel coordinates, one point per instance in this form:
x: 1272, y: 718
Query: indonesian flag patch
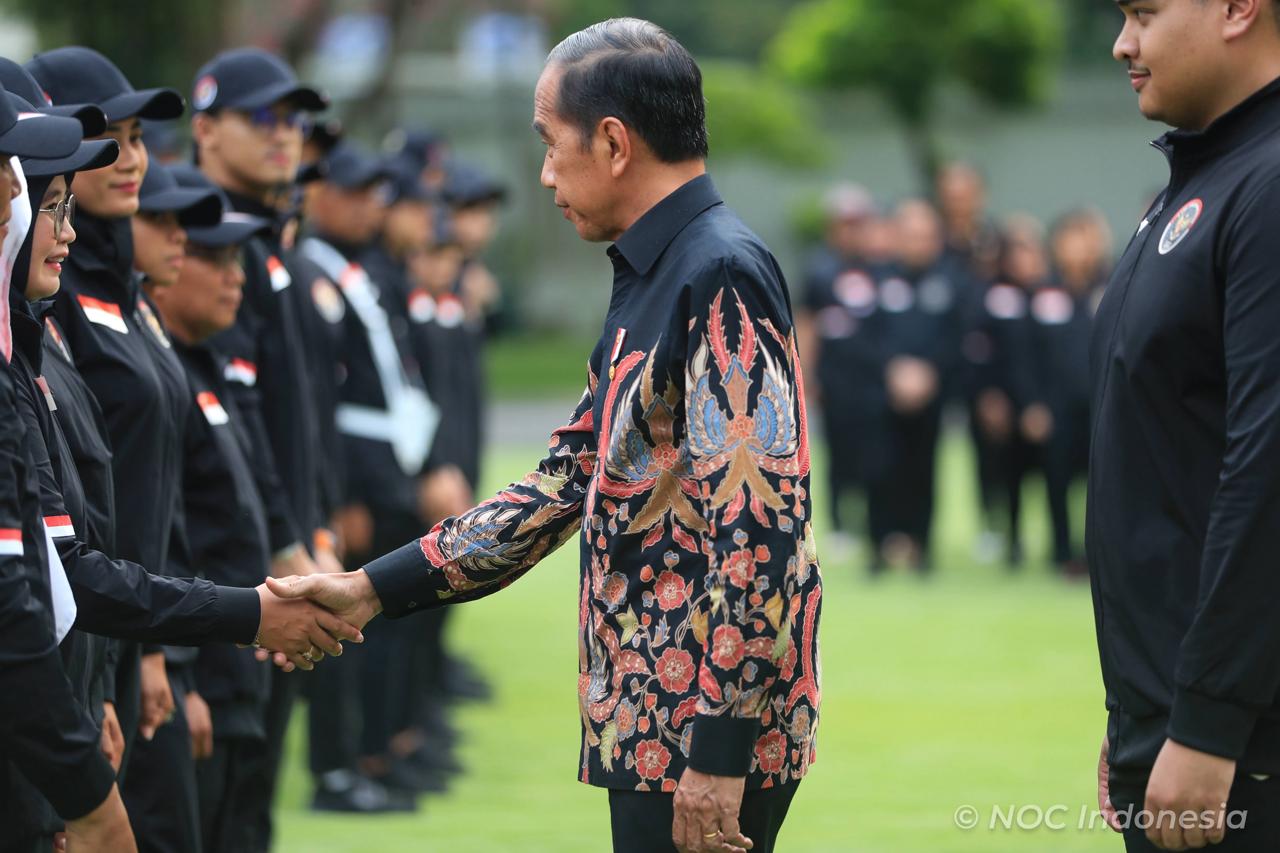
x: 10, y: 542
x: 280, y: 278
x: 242, y: 371
x: 212, y: 408
x: 103, y: 313
x: 59, y: 526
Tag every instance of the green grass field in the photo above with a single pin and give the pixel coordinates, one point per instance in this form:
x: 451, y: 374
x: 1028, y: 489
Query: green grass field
x: 973, y: 688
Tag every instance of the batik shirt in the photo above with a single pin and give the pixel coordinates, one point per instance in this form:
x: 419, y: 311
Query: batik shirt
x: 684, y: 471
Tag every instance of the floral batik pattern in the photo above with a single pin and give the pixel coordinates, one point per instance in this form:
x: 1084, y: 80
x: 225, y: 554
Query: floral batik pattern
x: 685, y: 469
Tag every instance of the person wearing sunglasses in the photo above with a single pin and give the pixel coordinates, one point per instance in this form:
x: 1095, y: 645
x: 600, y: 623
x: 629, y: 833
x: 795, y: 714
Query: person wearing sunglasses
x: 251, y: 114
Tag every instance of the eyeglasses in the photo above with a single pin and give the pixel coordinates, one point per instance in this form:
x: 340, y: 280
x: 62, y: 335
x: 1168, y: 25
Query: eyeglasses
x: 62, y: 214
x: 266, y: 119
x: 218, y: 256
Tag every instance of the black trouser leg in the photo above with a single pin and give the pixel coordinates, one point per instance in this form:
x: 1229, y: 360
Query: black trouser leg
x: 641, y: 820
x: 333, y: 712
x: 265, y: 776
x: 1057, y: 481
x: 161, y: 793
x: 128, y: 699
x: 225, y: 807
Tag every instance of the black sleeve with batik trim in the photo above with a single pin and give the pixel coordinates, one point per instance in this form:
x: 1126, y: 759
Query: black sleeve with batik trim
x: 749, y: 453
x: 476, y: 554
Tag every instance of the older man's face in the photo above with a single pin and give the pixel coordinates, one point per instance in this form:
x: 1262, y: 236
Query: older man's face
x: 585, y: 189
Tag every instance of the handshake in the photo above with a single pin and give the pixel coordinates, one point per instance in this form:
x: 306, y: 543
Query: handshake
x: 305, y: 618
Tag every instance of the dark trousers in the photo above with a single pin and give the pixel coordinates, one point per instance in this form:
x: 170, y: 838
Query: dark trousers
x: 1259, y: 799
x: 160, y: 793
x: 642, y: 820
x: 128, y: 698
x: 1065, y: 458
x: 225, y: 795
x: 902, y: 499
x: 264, y: 778
x: 333, y: 711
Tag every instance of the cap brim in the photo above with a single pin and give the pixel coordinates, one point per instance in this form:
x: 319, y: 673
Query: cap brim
x: 90, y: 116
x: 304, y: 97
x: 93, y: 154
x: 359, y: 179
x: 201, y: 208
x: 234, y: 228
x: 159, y: 104
x: 44, y: 136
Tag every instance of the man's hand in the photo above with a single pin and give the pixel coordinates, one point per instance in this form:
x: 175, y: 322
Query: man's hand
x: 1185, y: 781
x: 103, y: 830
x: 354, y: 526
x: 1105, y: 805
x: 112, y: 740
x: 912, y: 384
x: 200, y: 724
x: 157, y: 696
x: 1036, y: 423
x: 349, y: 596
x: 706, y: 810
x: 300, y: 630
x: 443, y: 493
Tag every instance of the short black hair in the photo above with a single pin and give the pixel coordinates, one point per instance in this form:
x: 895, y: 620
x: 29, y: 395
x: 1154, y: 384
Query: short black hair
x: 638, y: 73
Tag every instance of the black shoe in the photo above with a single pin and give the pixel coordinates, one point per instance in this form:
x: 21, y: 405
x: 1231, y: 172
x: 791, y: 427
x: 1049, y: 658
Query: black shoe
x: 434, y: 757
x: 349, y: 792
x: 408, y: 777
x: 462, y: 682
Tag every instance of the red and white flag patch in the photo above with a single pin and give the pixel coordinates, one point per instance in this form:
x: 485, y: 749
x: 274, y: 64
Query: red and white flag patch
x: 280, y: 278
x: 103, y: 313
x: 10, y: 542
x: 241, y: 371
x: 59, y: 526
x: 212, y: 408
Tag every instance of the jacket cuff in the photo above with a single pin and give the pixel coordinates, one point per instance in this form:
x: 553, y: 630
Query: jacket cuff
x: 722, y: 745
x: 239, y: 613
x: 83, y: 791
x: 1210, y: 725
x: 399, y: 580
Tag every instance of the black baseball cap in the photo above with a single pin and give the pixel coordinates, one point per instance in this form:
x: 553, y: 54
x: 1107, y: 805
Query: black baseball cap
x: 351, y: 167
x: 465, y: 185
x: 233, y: 227
x: 246, y: 78
x: 93, y: 154
x: 405, y: 181
x: 161, y: 193
x: 18, y: 81
x: 27, y: 133
x: 80, y: 75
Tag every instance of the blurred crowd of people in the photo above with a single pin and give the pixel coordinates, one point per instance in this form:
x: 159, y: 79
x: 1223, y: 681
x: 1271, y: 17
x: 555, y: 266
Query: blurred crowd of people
x: 933, y: 311
x: 256, y: 355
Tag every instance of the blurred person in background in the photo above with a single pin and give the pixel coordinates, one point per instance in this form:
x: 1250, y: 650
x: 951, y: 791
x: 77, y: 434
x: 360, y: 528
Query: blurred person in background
x: 920, y: 301
x: 251, y: 116
x: 1061, y: 314
x: 997, y: 348
x: 841, y: 352
x: 227, y: 520
x: 386, y: 423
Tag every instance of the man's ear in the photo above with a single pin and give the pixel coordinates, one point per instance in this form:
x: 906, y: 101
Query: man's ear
x: 614, y: 134
x: 202, y: 129
x: 1239, y: 16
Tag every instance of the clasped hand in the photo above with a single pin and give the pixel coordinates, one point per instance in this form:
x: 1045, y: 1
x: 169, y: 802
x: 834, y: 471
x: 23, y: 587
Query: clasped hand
x: 296, y: 633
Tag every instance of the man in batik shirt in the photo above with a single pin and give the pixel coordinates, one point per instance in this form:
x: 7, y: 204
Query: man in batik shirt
x: 684, y: 469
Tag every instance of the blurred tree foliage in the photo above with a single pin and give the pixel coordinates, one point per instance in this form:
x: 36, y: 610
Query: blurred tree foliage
x: 750, y: 114
x: 154, y: 42
x: 723, y: 28
x: 906, y: 50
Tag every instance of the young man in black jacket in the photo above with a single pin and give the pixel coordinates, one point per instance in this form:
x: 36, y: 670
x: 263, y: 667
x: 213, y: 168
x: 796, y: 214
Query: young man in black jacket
x: 1184, y: 490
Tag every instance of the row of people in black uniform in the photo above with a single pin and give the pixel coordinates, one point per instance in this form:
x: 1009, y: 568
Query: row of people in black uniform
x: 199, y: 400
x: 930, y: 309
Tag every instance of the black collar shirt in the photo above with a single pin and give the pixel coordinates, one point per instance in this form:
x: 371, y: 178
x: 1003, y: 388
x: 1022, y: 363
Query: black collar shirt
x: 1184, y: 488
x: 684, y: 471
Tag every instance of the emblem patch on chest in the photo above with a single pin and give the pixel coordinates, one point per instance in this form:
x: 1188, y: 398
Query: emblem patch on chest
x: 1180, y: 225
